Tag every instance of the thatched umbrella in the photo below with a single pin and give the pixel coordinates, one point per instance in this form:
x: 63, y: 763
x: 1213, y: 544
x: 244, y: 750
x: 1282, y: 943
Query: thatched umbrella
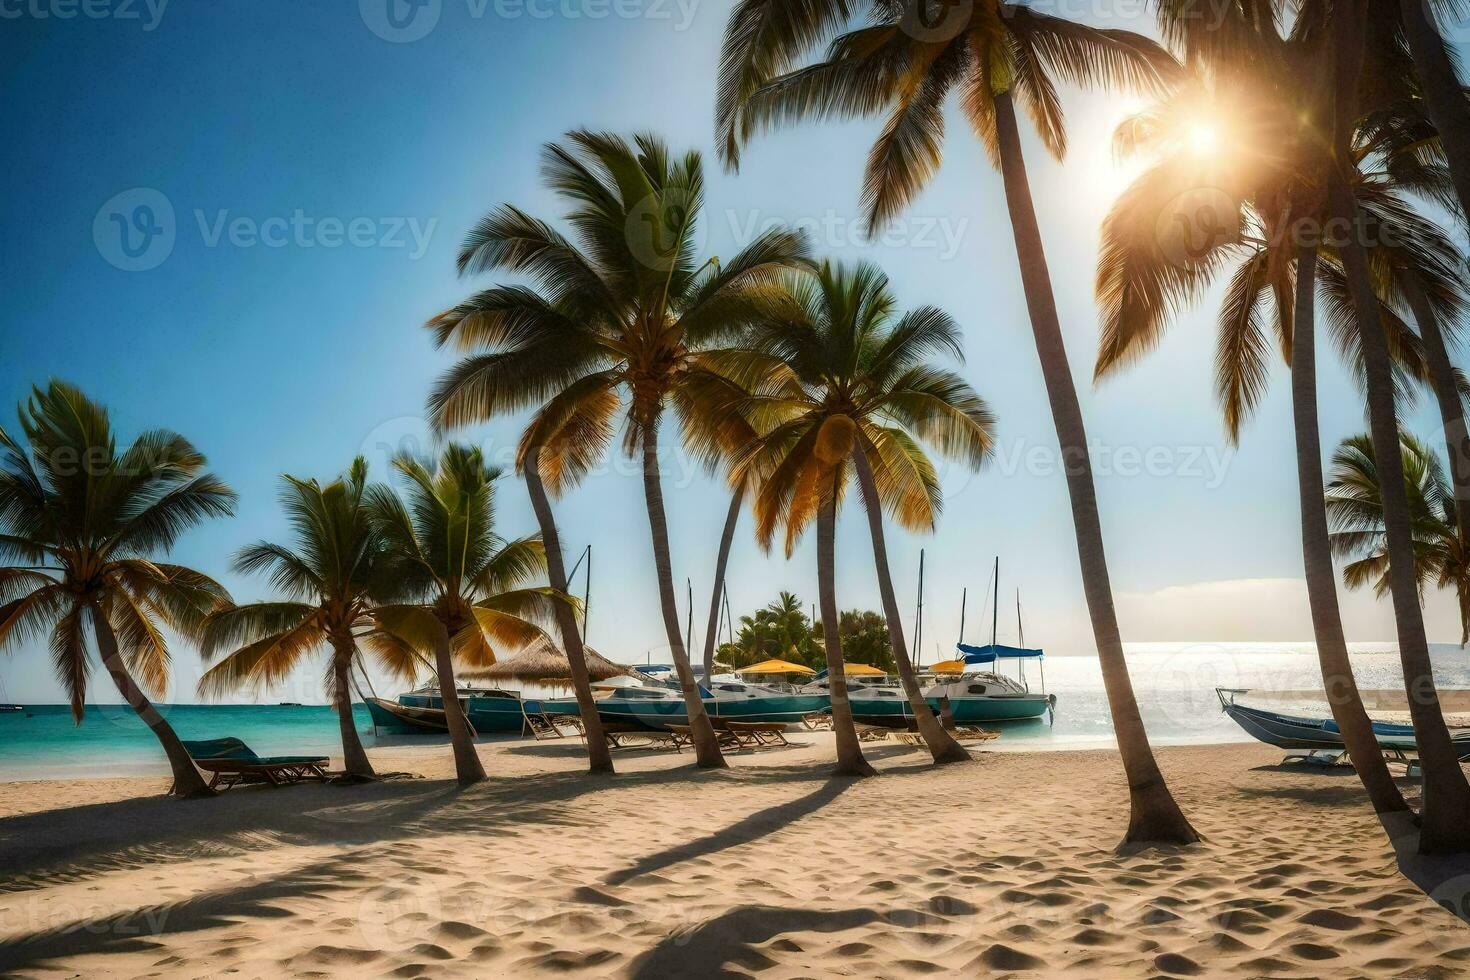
x: 543, y: 662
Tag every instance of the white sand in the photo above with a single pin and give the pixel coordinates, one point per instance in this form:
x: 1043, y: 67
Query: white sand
x: 1006, y: 865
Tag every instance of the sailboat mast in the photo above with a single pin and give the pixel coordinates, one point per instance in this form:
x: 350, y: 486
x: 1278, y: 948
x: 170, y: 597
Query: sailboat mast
x: 995, y: 602
x: 964, y: 594
x: 919, y: 618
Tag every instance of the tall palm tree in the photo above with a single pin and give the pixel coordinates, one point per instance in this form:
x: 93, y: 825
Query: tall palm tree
x: 624, y: 312
x: 850, y: 393
x: 1355, y: 508
x: 1200, y: 212
x: 528, y: 463
x: 1443, y: 828
x: 442, y: 548
x: 81, y: 529
x: 1439, y: 79
x: 332, y: 582
x: 911, y: 57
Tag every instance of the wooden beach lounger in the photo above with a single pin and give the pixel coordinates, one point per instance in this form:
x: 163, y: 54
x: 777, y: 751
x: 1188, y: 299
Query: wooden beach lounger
x: 872, y: 733
x: 232, y: 762
x: 754, y: 734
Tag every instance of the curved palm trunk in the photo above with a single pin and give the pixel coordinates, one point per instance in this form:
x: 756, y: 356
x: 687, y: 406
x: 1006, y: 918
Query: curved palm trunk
x: 942, y: 745
x: 706, y: 744
x: 850, y: 761
x: 187, y: 781
x: 467, y: 766
x: 1154, y: 815
x: 727, y: 537
x: 354, y: 756
x: 1447, y: 394
x: 1332, y: 653
x: 1444, y: 99
x: 599, y: 758
x: 1444, y: 827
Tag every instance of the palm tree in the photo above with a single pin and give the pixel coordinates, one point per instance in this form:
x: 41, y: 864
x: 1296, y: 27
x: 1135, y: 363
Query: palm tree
x: 1439, y: 81
x: 716, y: 430
x: 850, y: 393
x: 1200, y: 211
x: 332, y: 583
x: 81, y: 529
x: 624, y: 313
x: 909, y: 60
x: 442, y: 548
x: 1355, y: 508
x: 1446, y: 791
x: 528, y: 463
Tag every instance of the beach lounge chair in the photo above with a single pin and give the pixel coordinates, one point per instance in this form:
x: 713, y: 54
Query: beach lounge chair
x: 232, y: 762
x: 542, y: 724
x: 683, y: 736
x: 816, y: 720
x: 754, y: 734
x: 872, y: 733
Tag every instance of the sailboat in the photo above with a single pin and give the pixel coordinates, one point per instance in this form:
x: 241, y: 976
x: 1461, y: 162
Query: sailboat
x: 985, y: 695
x: 973, y: 695
x: 5, y: 699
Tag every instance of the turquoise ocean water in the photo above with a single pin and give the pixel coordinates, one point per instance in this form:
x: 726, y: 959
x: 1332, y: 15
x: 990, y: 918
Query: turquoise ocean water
x: 1174, y: 683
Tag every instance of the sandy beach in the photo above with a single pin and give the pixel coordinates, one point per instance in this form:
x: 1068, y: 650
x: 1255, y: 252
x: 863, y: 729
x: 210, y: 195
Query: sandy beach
x: 772, y: 869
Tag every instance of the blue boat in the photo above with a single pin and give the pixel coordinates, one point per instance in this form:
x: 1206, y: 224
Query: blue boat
x: 489, y: 710
x: 1322, y: 734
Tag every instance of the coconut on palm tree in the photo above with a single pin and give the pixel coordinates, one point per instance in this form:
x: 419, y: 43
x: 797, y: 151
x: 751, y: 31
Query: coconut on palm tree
x: 848, y: 393
x: 445, y: 555
x: 331, y: 583
x: 994, y: 55
x: 621, y: 313
x: 83, y: 527
x: 1355, y: 510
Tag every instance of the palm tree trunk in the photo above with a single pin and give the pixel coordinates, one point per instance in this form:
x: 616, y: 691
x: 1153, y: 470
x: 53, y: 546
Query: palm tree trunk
x: 850, y: 761
x: 1447, y: 393
x: 599, y: 758
x: 467, y: 766
x: 942, y: 745
x: 187, y: 781
x: 722, y: 560
x: 1332, y: 653
x: 1444, y: 827
x: 706, y: 744
x: 354, y: 756
x: 1444, y: 99
x: 1154, y: 814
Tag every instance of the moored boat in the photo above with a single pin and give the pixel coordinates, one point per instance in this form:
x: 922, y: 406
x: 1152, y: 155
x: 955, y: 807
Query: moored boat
x: 1321, y: 734
x: 489, y: 710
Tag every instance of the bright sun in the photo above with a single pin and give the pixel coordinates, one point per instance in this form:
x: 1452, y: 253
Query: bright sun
x: 1204, y: 138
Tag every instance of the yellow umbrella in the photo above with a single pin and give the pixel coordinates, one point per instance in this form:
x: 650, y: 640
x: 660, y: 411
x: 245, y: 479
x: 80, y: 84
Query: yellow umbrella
x: 948, y: 667
x: 775, y: 667
x: 862, y: 670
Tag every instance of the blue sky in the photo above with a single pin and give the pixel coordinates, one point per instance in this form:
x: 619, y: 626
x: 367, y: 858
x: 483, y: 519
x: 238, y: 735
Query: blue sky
x: 321, y: 168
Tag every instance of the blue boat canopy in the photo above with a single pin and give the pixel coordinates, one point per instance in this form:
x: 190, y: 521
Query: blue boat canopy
x: 653, y: 668
x: 992, y: 652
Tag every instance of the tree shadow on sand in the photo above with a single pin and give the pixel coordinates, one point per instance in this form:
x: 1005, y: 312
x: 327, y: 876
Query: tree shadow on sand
x: 138, y: 929
x: 1444, y: 878
x: 760, y: 824
x: 731, y: 938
